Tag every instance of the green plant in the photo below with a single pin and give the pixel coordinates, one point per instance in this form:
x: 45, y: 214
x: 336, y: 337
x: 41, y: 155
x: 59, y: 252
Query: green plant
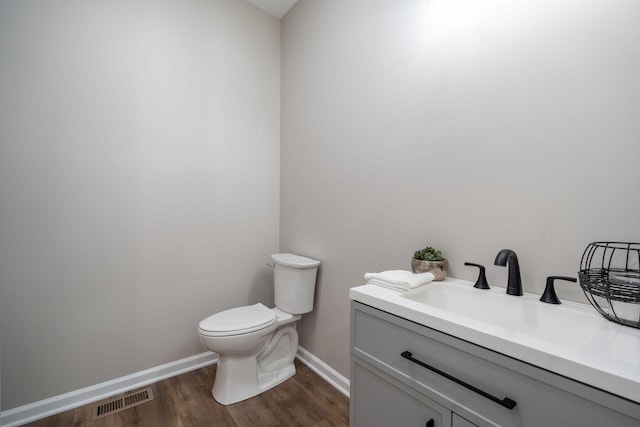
x: 428, y: 254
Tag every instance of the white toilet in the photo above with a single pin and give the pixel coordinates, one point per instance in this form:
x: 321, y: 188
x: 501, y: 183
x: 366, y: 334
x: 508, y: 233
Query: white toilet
x: 255, y: 344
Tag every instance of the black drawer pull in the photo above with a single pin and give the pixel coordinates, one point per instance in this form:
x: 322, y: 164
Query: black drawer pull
x: 506, y: 402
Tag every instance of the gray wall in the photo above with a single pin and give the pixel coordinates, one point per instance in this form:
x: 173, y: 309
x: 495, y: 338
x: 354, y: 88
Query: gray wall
x: 139, y: 182
x: 466, y: 125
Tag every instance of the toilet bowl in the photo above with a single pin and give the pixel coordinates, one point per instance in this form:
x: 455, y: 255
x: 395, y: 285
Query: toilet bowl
x: 256, y: 345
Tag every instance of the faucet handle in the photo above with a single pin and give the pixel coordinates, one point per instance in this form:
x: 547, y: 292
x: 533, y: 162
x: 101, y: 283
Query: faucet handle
x: 549, y: 295
x: 481, y: 283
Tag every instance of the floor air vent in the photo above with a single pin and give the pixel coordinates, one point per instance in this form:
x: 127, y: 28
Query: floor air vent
x: 122, y: 402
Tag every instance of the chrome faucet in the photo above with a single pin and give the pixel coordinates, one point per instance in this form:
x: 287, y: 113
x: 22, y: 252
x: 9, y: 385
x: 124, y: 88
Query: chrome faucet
x: 514, y: 282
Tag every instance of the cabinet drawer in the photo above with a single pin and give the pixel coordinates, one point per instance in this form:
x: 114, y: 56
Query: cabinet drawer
x: 381, y: 338
x: 381, y: 401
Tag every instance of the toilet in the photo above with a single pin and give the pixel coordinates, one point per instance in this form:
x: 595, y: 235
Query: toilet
x: 255, y: 344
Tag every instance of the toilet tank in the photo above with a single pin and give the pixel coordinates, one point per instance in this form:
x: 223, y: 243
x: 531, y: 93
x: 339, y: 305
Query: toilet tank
x: 294, y: 280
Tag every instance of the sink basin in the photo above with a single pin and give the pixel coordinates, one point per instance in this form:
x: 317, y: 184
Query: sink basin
x: 565, y: 325
x: 570, y: 339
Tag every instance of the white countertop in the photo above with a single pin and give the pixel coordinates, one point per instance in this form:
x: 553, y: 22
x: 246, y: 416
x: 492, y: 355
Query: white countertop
x: 599, y: 352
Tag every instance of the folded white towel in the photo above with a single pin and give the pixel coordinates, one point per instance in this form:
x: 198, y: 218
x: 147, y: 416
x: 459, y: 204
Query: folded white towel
x: 399, y: 279
x: 389, y: 285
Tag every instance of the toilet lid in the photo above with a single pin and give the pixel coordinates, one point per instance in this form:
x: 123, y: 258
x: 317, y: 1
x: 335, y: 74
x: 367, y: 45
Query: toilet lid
x: 240, y: 320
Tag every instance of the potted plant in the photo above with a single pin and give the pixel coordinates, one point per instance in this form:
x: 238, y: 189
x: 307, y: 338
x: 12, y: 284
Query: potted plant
x: 429, y: 260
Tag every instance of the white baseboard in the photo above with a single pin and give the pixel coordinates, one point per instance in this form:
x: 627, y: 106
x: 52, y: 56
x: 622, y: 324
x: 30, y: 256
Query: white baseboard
x: 326, y: 372
x: 84, y: 396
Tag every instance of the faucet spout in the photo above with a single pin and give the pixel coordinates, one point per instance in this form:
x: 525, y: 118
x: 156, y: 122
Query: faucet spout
x: 514, y: 282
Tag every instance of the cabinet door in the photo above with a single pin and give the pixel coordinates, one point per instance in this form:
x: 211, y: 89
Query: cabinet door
x: 379, y: 400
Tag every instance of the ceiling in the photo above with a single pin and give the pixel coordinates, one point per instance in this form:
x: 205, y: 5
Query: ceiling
x: 277, y: 8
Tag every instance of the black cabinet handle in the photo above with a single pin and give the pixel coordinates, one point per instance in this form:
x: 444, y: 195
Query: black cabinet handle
x: 430, y: 423
x: 506, y: 402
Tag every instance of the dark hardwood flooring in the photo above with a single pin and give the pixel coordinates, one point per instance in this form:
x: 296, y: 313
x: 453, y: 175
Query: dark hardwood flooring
x: 185, y: 401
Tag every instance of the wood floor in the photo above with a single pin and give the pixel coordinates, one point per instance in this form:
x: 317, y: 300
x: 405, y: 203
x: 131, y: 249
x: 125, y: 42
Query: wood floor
x: 185, y: 401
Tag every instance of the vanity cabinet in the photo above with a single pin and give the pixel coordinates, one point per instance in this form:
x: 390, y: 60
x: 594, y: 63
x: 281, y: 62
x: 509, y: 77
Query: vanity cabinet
x: 407, y: 374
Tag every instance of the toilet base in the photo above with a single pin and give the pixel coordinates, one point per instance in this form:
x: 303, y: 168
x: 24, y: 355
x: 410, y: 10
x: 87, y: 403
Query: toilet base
x: 240, y: 378
x: 237, y: 394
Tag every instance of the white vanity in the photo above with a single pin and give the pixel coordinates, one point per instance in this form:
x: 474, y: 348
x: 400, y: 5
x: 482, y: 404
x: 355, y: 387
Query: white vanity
x: 448, y: 354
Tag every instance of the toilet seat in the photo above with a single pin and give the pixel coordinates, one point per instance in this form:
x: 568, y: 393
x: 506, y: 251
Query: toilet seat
x: 237, y: 321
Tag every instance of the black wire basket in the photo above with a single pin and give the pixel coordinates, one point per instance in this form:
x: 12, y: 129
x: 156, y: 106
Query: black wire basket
x: 610, y: 278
